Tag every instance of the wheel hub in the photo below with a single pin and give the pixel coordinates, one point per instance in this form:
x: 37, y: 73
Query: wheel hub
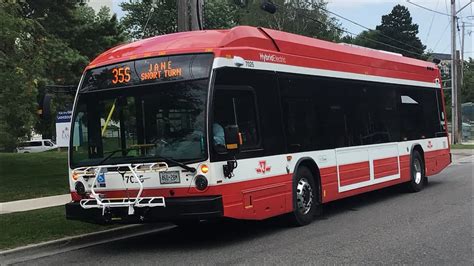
x: 417, y: 171
x: 304, y: 196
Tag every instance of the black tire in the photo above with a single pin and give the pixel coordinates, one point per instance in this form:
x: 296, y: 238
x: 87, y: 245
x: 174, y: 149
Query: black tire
x: 304, y: 189
x: 417, y: 171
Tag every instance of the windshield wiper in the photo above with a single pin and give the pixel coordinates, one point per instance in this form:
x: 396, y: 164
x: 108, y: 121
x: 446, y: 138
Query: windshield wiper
x: 112, y: 153
x: 134, y: 147
x: 184, y: 166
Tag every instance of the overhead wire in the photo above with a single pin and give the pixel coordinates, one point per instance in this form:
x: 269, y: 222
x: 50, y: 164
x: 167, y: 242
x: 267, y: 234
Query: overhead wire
x: 365, y: 27
x: 431, y: 23
x: 429, y: 9
x: 442, y: 35
x: 446, y: 48
x: 351, y: 33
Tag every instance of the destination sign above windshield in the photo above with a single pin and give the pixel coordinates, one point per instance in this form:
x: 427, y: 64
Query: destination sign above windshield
x: 148, y: 71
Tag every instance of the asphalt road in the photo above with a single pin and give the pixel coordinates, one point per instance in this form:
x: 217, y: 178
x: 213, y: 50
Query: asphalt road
x: 388, y: 226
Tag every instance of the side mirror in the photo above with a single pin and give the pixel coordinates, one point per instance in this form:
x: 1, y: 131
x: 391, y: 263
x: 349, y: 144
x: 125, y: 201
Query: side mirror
x: 233, y: 139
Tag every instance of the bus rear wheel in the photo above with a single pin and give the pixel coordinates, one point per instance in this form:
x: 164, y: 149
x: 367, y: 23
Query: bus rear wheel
x: 417, y: 171
x: 305, y: 198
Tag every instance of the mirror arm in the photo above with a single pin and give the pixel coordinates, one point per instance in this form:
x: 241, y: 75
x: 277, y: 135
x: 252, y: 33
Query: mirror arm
x: 229, y: 168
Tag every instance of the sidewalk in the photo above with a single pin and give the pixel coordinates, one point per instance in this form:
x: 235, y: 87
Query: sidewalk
x: 34, y: 204
x: 462, y: 151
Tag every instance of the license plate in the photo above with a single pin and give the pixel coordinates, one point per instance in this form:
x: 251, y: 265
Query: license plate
x: 171, y: 177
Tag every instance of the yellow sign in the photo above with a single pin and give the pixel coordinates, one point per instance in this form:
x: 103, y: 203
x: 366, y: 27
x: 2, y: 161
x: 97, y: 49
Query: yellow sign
x: 161, y: 70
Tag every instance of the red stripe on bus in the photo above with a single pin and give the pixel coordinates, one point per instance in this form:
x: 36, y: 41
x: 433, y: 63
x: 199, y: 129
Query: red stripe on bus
x: 354, y: 173
x: 385, y: 167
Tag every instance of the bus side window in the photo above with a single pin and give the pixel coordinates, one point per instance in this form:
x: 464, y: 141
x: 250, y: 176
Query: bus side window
x: 383, y: 119
x: 298, y: 111
x: 300, y: 122
x: 418, y: 113
x: 442, y: 125
x: 235, y: 106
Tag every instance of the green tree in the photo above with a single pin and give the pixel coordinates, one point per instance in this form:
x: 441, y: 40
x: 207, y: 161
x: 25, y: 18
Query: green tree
x: 467, y: 89
x: 95, y: 33
x: 368, y: 39
x: 220, y: 14
x: 303, y: 17
x: 43, y: 43
x: 159, y: 18
x: 396, y: 30
x: 18, y: 75
x: 298, y: 16
x: 398, y: 25
x: 73, y: 35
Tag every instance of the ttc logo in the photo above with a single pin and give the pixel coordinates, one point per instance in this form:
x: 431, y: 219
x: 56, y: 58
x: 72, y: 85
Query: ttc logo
x: 430, y: 145
x: 263, y: 167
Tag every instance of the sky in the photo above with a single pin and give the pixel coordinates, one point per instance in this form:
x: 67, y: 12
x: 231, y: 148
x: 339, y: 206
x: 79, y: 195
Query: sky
x: 434, y: 29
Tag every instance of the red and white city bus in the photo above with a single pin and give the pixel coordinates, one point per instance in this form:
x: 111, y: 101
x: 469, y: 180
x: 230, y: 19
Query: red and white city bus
x: 248, y: 123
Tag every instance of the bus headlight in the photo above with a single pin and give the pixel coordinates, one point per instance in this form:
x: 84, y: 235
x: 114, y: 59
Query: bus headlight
x: 80, y: 189
x: 201, y: 182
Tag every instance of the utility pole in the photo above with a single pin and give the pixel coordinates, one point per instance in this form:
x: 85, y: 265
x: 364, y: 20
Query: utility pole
x: 462, y: 54
x: 456, y: 75
x: 458, y: 98
x: 454, y: 113
x: 183, y: 18
x: 193, y: 19
x: 196, y: 14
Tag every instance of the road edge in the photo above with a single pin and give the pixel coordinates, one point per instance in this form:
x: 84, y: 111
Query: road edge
x: 57, y: 246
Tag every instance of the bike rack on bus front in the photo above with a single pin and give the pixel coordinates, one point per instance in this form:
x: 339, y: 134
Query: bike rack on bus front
x: 96, y: 201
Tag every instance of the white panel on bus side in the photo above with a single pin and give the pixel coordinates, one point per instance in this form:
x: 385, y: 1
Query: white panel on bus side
x: 351, y: 155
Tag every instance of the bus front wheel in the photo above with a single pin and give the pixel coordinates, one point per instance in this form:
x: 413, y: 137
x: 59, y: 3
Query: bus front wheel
x: 305, y: 198
x: 417, y: 171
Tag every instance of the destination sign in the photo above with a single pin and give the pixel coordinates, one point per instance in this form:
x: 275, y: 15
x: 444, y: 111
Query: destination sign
x: 161, y: 70
x: 148, y: 71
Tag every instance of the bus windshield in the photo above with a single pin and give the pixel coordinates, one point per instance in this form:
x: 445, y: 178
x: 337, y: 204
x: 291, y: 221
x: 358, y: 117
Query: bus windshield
x: 140, y: 123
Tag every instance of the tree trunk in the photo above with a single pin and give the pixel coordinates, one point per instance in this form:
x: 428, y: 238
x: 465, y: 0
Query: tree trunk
x: 183, y: 18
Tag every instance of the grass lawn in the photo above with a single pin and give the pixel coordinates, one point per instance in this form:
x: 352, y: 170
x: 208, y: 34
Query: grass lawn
x: 462, y: 146
x: 23, y: 228
x: 33, y: 175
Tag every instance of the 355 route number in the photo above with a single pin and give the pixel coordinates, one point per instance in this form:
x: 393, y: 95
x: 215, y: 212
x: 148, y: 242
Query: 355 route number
x: 121, y: 75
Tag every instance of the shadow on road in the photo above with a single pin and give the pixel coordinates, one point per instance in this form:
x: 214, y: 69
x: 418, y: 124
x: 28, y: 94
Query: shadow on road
x: 374, y: 197
x: 214, y: 234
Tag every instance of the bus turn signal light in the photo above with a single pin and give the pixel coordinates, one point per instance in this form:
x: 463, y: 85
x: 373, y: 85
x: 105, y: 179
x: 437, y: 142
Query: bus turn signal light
x: 204, y: 169
x: 75, y: 176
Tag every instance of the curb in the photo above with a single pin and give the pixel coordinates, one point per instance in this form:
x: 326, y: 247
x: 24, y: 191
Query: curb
x: 54, y: 247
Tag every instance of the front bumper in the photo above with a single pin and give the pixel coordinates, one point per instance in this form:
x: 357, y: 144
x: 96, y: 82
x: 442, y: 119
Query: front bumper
x: 186, y: 208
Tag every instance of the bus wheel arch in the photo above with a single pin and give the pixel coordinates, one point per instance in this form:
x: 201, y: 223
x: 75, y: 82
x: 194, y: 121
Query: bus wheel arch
x: 306, y: 174
x: 417, y: 147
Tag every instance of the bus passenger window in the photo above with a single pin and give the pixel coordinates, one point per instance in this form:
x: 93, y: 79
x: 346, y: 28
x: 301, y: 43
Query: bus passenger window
x: 232, y: 107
